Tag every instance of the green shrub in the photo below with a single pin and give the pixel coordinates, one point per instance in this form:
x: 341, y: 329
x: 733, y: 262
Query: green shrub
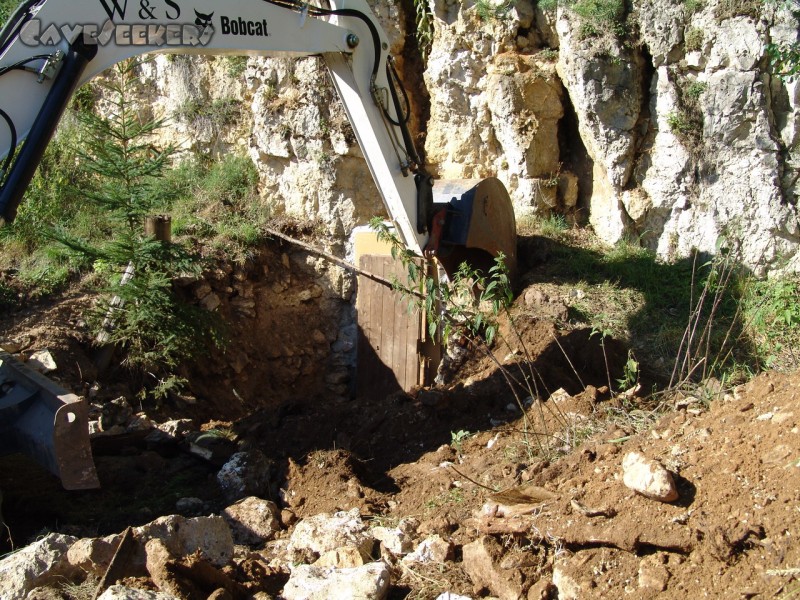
x: 221, y: 112
x: 231, y: 179
x: 549, y: 54
x: 6, y: 8
x: 772, y: 313
x: 8, y: 297
x: 599, y: 17
x: 217, y: 203
x: 693, y: 6
x: 53, y: 200
x: 727, y: 9
x: 694, y: 39
x: 679, y: 123
x: 687, y: 122
x: 785, y: 59
x: 423, y: 20
x: 156, y: 328
x: 236, y: 65
x: 694, y: 90
x: 488, y: 10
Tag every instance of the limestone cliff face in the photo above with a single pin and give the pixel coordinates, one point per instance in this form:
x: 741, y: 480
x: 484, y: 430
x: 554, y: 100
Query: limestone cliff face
x: 686, y: 135
x: 675, y: 133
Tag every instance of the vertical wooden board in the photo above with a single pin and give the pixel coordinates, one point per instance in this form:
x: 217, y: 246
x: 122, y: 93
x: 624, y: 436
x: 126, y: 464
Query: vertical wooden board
x: 405, y: 356
x: 389, y: 333
x: 399, y: 335
x: 368, y: 305
x: 412, y: 344
x: 389, y: 322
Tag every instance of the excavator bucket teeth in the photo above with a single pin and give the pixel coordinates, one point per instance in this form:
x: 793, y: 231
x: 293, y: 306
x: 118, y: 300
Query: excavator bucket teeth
x: 44, y: 421
x: 479, y: 225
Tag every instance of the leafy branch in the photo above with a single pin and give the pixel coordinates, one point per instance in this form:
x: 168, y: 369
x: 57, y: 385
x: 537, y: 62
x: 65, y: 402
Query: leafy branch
x: 469, y: 305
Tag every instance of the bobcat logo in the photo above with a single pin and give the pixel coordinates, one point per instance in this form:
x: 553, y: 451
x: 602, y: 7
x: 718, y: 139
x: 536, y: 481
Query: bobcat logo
x: 203, y: 20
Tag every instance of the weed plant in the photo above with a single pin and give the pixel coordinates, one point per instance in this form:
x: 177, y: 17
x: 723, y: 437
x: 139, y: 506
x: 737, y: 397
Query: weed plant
x: 6, y: 8
x: 423, y: 20
x: 785, y: 59
x: 694, y: 39
x: 600, y: 17
x: 220, y: 113
x: 469, y: 304
x: 685, y: 320
x: 488, y: 10
x: 693, y: 6
x: 727, y: 9
x: 687, y: 122
x: 236, y: 65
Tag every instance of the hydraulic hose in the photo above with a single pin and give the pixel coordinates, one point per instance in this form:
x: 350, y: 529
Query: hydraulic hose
x: 43, y: 128
x: 15, y: 22
x: 10, y: 155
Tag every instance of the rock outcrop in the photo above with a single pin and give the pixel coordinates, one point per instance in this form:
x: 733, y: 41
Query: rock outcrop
x: 667, y: 126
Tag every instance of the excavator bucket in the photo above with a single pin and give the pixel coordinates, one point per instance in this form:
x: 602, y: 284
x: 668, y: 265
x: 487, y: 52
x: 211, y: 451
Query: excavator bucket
x: 479, y: 224
x: 42, y: 420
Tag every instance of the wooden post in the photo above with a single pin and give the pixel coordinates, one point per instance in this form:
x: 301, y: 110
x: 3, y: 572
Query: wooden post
x: 159, y: 227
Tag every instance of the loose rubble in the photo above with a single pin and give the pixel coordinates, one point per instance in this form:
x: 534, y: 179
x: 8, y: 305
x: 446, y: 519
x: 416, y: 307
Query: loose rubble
x: 703, y: 501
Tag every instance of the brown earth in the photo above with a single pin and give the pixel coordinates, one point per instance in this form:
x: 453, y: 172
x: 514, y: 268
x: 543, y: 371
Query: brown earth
x: 450, y: 456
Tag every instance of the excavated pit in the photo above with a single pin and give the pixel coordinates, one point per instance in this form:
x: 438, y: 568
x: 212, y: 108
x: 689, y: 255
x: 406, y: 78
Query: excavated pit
x: 284, y: 385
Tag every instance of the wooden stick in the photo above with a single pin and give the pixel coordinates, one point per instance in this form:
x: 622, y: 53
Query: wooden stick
x: 118, y: 563
x: 330, y: 257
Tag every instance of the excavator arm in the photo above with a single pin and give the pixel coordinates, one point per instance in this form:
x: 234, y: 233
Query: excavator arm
x: 50, y: 47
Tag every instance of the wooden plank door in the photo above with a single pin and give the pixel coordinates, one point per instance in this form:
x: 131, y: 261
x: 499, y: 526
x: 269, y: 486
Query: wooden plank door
x: 389, y: 356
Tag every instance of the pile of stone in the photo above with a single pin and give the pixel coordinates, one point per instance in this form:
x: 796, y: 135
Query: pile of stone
x: 326, y: 556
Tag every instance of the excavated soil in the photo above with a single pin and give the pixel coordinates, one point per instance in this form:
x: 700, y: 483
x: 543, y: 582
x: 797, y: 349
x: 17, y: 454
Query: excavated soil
x: 448, y: 457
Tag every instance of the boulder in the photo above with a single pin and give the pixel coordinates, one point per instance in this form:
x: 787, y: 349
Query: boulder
x: 321, y: 533
x: 40, y: 563
x: 253, y: 520
x: 117, y: 412
x: 432, y: 549
x: 397, y: 540
x: 482, y: 562
x: 342, y: 558
x: 648, y: 478
x: 245, y: 474
x: 93, y: 555
x: 42, y: 361
x: 210, y: 536
x: 307, y: 582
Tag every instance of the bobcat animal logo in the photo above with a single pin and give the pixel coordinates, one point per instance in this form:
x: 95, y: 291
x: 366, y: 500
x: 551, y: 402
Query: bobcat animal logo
x: 202, y: 19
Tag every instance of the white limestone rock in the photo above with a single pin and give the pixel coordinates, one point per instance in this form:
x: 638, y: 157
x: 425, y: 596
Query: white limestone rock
x: 324, y: 532
x: 121, y: 592
x: 253, y: 520
x: 211, y: 536
x: 35, y: 565
x: 370, y: 582
x: 648, y: 478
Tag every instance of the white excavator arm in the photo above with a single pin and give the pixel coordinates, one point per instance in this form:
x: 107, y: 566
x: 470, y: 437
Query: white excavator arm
x: 53, y: 46
x: 50, y: 47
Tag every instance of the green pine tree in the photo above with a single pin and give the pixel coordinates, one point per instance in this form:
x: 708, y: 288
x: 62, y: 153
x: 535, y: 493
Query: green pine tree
x: 157, y: 329
x: 120, y: 153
